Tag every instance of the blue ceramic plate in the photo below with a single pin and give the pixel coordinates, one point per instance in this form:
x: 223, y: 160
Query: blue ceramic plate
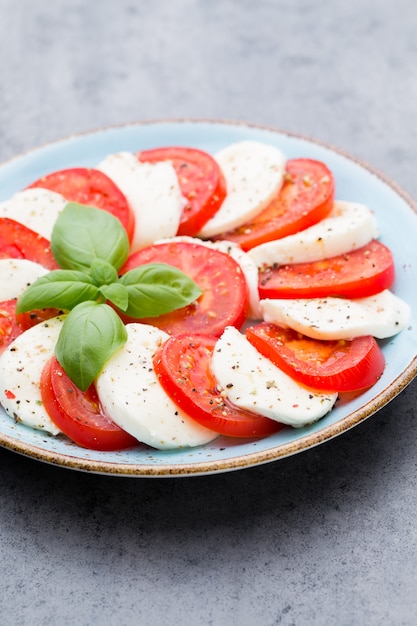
x: 396, y: 216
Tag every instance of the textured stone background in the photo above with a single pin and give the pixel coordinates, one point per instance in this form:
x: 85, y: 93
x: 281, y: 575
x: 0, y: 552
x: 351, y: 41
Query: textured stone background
x: 325, y: 537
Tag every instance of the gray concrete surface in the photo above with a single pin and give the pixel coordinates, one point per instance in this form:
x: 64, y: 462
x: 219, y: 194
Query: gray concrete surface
x: 326, y: 537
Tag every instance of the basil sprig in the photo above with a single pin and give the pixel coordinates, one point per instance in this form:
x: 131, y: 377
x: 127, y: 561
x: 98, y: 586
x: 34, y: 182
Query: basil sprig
x: 91, y: 246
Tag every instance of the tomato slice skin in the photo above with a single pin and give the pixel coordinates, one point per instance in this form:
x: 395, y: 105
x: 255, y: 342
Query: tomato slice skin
x: 19, y: 242
x: 225, y: 297
x: 182, y: 365
x: 305, y: 198
x: 361, y: 273
x: 201, y: 182
x: 325, y: 365
x: 78, y: 414
x: 92, y: 187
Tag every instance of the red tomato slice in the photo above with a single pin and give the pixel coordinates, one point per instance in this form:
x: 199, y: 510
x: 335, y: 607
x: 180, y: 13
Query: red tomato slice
x: 19, y: 242
x: 9, y: 327
x: 78, y: 414
x: 31, y: 318
x: 358, y: 274
x: 224, y: 301
x: 92, y: 187
x: 306, y: 197
x: 182, y: 365
x: 201, y: 182
x: 12, y: 325
x: 333, y: 365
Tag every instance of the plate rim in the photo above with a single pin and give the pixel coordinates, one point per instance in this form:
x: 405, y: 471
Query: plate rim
x: 248, y: 460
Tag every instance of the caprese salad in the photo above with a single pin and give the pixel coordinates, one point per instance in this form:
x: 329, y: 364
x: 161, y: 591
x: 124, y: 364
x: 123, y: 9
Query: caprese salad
x: 167, y: 296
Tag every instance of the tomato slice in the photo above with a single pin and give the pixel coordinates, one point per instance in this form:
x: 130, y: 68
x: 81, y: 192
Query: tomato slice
x: 306, y: 197
x: 9, y: 327
x: 78, y: 414
x: 201, y: 182
x: 91, y: 187
x: 224, y: 301
x: 30, y: 318
x: 12, y: 325
x: 330, y: 365
x: 19, y: 242
x: 358, y: 274
x: 182, y: 365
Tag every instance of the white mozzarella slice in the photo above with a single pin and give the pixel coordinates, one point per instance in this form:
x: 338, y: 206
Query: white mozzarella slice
x: 382, y: 316
x: 21, y: 365
x: 132, y: 396
x: 253, y: 382
x: 36, y: 208
x: 16, y: 275
x: 348, y: 227
x: 248, y: 267
x: 153, y: 192
x: 254, y: 173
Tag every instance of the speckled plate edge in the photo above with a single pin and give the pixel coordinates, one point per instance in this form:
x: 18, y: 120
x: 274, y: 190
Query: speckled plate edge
x: 275, y: 452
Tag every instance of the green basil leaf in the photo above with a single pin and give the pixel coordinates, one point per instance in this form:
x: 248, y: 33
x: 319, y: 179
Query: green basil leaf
x: 158, y: 288
x: 83, y: 233
x: 91, y: 333
x: 102, y: 272
x: 61, y: 289
x: 117, y: 294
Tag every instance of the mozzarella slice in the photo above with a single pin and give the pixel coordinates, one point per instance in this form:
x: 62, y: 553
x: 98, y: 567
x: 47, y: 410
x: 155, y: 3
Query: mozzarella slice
x: 248, y: 267
x: 132, y: 396
x: 254, y: 174
x: 36, y: 208
x: 382, y: 315
x: 348, y: 227
x: 153, y: 192
x: 253, y: 382
x: 21, y: 365
x: 16, y: 275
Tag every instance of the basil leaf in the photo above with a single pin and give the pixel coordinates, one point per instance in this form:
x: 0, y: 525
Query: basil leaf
x: 103, y: 273
x: 91, y: 333
x: 61, y: 289
x: 117, y: 294
x: 83, y: 233
x: 158, y: 288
